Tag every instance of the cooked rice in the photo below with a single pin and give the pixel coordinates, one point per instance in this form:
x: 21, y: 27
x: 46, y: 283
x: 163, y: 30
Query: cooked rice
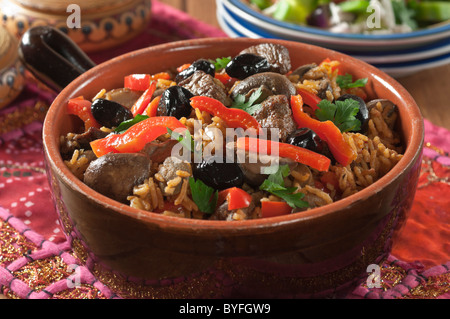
x: 99, y: 95
x: 373, y: 161
x: 315, y: 197
x: 78, y: 163
x: 147, y: 196
x: 164, y: 84
x: 183, y: 193
x: 377, y: 153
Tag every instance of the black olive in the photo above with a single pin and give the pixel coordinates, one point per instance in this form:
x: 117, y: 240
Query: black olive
x: 307, y: 138
x: 219, y: 175
x: 199, y: 65
x: 247, y: 64
x: 363, y: 114
x: 175, y: 101
x: 109, y: 113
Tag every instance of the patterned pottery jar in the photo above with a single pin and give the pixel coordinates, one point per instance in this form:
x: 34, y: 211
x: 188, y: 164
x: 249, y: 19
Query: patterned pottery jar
x: 92, y: 25
x: 11, y: 69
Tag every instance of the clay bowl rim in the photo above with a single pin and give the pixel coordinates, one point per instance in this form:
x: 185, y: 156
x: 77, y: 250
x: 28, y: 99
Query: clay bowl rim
x: 55, y: 162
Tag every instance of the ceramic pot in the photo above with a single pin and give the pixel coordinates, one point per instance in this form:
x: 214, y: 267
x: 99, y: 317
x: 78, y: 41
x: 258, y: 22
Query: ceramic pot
x: 12, y: 79
x: 102, y: 24
x: 319, y: 252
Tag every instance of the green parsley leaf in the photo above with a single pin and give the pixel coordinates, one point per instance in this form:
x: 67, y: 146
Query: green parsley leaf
x: 346, y: 81
x: 221, y: 63
x: 249, y: 106
x: 278, y: 175
x: 125, y: 125
x: 274, y: 184
x: 187, y: 141
x: 204, y: 197
x: 342, y: 114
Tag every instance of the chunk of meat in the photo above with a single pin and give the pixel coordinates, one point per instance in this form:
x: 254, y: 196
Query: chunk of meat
x: 115, y: 175
x: 275, y: 112
x: 276, y: 54
x: 202, y: 84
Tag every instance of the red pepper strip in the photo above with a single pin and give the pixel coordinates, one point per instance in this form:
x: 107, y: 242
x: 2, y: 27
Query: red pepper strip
x: 309, y: 98
x: 137, y: 82
x: 224, y: 78
x: 161, y: 76
x: 233, y: 117
x: 183, y: 67
x: 141, y: 104
x: 272, y: 209
x: 295, y: 153
x: 136, y: 137
x: 237, y: 198
x: 82, y: 108
x: 327, y: 131
x: 333, y: 68
x: 152, y: 108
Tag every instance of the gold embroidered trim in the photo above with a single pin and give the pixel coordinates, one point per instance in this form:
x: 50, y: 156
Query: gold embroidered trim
x: 22, y: 117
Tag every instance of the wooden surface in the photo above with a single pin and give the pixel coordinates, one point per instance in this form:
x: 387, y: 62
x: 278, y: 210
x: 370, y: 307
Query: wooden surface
x: 430, y: 88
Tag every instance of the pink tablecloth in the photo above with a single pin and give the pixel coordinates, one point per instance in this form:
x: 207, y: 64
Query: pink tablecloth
x: 36, y: 260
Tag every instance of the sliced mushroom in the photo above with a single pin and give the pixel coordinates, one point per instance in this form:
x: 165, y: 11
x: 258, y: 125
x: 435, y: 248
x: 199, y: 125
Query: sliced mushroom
x: 300, y: 71
x: 277, y: 55
x: 123, y: 96
x: 114, y: 175
x: 269, y: 81
x: 257, y: 167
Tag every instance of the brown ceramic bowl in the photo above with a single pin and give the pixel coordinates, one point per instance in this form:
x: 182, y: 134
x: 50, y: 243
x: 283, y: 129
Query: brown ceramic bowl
x: 314, y: 253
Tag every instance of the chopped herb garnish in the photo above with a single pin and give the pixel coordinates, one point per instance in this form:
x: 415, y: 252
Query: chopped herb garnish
x: 274, y: 184
x: 204, y: 197
x: 125, y: 125
x: 403, y: 14
x: 346, y: 82
x: 250, y: 107
x: 186, y: 141
x: 342, y: 114
x: 221, y: 63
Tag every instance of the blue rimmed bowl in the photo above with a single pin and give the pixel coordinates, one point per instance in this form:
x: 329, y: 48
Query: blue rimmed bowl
x: 397, y: 54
